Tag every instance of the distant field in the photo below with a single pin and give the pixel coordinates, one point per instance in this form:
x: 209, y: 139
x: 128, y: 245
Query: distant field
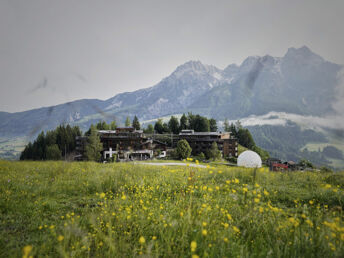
x: 11, y: 148
x: 320, y: 146
x: 105, y: 210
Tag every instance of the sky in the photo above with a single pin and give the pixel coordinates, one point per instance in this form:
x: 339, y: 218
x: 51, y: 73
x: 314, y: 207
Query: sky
x: 52, y: 52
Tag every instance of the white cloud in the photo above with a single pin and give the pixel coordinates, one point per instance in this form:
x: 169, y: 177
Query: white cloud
x: 281, y: 118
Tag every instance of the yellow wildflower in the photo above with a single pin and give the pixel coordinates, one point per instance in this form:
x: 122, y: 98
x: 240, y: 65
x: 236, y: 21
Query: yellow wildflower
x: 193, y: 246
x: 60, y: 238
x: 310, y: 223
x: 142, y: 240
x: 342, y: 237
x: 327, y: 186
x: 294, y: 221
x: 236, y: 230
x: 26, y: 251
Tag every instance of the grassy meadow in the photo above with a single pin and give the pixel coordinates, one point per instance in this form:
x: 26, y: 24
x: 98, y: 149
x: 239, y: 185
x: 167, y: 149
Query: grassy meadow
x: 61, y: 209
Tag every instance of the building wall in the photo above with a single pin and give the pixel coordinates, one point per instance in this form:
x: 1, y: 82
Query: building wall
x: 129, y: 140
x: 202, y: 143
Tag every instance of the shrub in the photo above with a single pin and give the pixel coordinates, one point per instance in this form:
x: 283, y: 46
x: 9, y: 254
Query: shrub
x: 183, y: 149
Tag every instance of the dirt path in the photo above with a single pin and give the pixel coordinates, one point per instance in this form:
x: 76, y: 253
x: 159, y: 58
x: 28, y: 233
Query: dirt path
x: 170, y: 164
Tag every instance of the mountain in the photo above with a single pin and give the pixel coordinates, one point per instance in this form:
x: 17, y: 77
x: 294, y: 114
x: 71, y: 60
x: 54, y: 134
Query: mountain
x: 301, y: 82
x: 172, y: 95
x: 33, y: 121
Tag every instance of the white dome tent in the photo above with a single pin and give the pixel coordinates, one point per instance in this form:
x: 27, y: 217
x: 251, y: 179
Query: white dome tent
x: 249, y: 159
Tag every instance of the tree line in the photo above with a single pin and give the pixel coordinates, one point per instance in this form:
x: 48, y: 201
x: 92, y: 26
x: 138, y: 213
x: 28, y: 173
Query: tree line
x: 52, y: 145
x: 190, y: 121
x: 244, y: 137
x: 197, y: 123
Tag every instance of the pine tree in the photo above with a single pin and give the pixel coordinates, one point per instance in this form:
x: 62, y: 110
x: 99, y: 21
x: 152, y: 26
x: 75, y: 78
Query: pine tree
x: 214, y: 152
x: 136, y: 123
x: 53, y: 152
x: 127, y: 122
x: 158, y: 127
x: 149, y: 129
x: 173, y: 125
x: 102, y: 126
x: 226, y: 126
x: 233, y: 130
x: 245, y: 138
x: 238, y: 125
x: 113, y: 125
x: 166, y: 128
x: 94, y: 146
x: 212, y: 125
x: 183, y: 122
x: 201, y: 124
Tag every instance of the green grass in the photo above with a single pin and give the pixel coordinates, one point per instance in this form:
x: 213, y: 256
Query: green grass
x: 103, y: 210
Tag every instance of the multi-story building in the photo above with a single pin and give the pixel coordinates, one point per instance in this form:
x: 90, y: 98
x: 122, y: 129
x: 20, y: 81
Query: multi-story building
x: 202, y: 141
x: 129, y: 144
x: 126, y: 143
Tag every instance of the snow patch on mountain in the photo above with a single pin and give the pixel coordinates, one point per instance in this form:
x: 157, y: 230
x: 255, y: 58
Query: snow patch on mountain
x: 217, y: 76
x: 156, y: 107
x: 115, y: 104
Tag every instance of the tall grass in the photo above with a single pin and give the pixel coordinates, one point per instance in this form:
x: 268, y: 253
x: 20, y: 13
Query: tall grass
x: 118, y: 210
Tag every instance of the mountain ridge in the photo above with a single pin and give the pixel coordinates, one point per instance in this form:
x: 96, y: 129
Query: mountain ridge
x: 300, y: 82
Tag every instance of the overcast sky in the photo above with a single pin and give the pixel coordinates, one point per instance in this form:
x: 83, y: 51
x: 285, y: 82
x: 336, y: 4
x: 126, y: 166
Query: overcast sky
x: 53, y: 52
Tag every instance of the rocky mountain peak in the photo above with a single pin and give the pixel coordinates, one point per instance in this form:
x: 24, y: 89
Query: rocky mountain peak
x: 303, y: 54
x: 195, y: 67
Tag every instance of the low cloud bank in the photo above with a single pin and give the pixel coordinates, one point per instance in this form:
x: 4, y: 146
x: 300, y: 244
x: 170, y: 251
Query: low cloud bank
x: 335, y: 122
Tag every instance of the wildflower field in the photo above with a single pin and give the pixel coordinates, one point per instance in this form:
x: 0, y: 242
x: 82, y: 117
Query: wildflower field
x: 61, y: 209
